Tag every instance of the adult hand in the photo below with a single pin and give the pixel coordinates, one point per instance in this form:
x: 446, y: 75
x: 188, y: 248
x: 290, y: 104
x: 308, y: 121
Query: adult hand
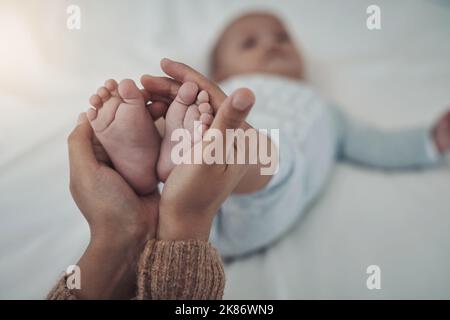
x: 193, y: 193
x: 162, y: 90
x: 108, y: 203
x: 120, y: 221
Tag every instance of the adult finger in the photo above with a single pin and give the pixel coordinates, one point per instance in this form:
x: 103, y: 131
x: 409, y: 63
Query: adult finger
x: 231, y: 115
x: 234, y: 110
x: 146, y: 95
x: 160, y: 86
x: 183, y: 73
x: 157, y: 109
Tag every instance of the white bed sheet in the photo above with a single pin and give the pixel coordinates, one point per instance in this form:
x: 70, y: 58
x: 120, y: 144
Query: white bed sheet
x: 395, y: 77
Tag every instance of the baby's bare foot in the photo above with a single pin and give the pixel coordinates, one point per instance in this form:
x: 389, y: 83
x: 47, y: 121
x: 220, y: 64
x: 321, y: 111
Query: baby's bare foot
x: 127, y: 132
x: 189, y: 106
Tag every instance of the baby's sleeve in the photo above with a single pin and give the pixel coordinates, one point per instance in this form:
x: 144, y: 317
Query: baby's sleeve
x: 406, y: 148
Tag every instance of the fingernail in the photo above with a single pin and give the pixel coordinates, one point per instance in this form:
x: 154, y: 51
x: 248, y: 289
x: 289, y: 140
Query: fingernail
x: 241, y: 102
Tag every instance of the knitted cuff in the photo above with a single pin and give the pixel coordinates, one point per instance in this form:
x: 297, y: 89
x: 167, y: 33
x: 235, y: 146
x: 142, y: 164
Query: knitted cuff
x: 186, y: 270
x: 60, y: 291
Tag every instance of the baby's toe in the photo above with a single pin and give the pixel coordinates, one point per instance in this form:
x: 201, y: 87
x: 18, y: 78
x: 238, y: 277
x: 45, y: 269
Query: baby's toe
x: 187, y: 93
x: 112, y: 86
x: 130, y: 93
x: 102, y: 114
x: 202, y: 97
x: 91, y: 114
x: 206, y: 119
x: 205, y: 108
x: 103, y: 93
x: 96, y: 101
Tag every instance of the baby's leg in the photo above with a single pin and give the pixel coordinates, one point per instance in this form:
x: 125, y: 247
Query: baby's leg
x: 126, y: 130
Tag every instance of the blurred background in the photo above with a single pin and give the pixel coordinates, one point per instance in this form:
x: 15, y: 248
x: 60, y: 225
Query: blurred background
x: 397, y: 76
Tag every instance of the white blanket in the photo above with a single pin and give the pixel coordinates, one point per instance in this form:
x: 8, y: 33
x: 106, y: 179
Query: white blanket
x: 397, y: 76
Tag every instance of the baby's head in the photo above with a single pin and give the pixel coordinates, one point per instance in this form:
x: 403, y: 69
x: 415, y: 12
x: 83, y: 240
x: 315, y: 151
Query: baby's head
x: 257, y: 42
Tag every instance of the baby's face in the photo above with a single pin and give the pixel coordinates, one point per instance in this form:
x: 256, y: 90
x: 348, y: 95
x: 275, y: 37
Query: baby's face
x: 255, y: 43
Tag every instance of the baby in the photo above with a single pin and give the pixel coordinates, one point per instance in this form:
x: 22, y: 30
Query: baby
x: 256, y: 51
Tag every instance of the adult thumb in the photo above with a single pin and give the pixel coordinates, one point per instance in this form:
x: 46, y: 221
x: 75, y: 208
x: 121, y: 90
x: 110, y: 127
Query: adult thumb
x: 234, y: 110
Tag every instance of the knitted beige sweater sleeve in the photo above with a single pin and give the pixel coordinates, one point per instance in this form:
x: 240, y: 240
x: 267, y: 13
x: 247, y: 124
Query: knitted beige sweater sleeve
x: 171, y: 270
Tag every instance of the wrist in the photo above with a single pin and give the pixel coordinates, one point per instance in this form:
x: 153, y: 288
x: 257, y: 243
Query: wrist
x: 115, y: 234
x: 132, y: 239
x: 180, y: 224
